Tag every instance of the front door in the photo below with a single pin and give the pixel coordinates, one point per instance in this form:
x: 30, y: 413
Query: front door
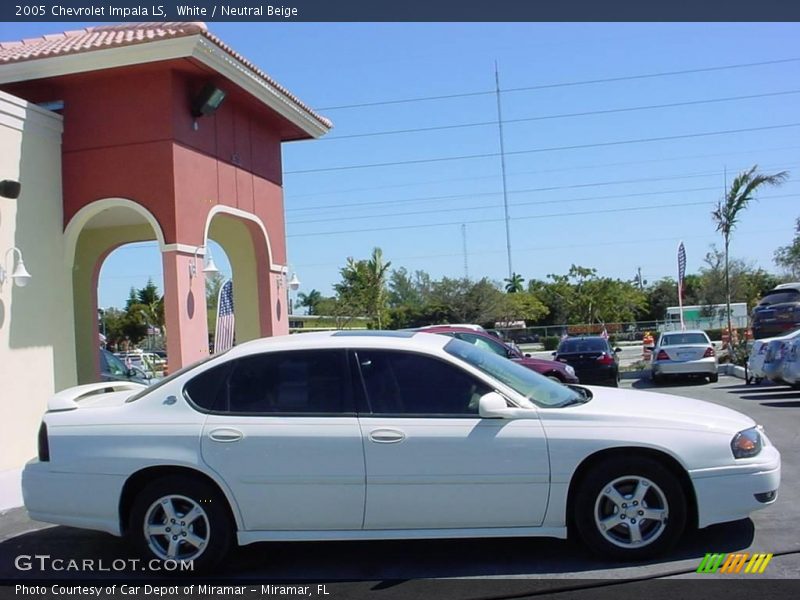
x: 432, y: 462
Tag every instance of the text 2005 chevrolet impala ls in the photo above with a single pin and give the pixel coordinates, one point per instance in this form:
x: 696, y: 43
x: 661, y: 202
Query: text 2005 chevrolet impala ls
x: 388, y: 435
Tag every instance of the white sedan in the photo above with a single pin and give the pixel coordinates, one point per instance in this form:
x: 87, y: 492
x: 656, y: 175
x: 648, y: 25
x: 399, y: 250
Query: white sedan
x: 388, y: 435
x: 684, y: 353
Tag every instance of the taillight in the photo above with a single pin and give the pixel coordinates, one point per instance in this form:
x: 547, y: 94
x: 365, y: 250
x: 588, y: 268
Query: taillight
x: 662, y: 355
x: 606, y: 359
x: 709, y: 352
x: 43, y: 444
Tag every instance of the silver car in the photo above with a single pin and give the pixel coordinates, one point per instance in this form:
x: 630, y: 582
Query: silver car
x: 774, y: 360
x: 755, y: 362
x: 791, y: 364
x: 684, y: 353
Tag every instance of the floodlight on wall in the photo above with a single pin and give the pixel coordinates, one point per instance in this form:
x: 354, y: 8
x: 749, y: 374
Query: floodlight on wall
x: 209, y: 268
x: 294, y: 283
x: 19, y: 273
x: 206, y: 102
x: 10, y: 188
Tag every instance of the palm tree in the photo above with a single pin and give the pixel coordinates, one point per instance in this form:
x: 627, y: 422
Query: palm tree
x: 310, y: 301
x: 376, y: 272
x: 515, y: 283
x: 726, y: 214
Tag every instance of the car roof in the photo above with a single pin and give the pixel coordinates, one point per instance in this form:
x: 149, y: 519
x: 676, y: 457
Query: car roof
x: 785, y: 286
x: 685, y: 331
x: 370, y: 338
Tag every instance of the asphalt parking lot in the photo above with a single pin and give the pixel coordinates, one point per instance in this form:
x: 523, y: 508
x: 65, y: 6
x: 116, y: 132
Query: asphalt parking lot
x: 774, y: 530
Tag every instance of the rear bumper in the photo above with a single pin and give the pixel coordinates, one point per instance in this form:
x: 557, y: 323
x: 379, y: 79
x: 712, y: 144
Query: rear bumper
x: 731, y: 493
x: 597, y: 375
x: 703, y: 366
x: 86, y: 500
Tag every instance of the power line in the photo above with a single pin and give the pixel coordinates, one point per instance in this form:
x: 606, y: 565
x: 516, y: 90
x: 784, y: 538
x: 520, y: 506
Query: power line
x: 548, y: 149
x: 485, y: 251
x: 291, y: 196
x: 562, y: 84
x: 527, y: 218
x: 559, y: 116
x: 515, y: 204
x: 517, y: 191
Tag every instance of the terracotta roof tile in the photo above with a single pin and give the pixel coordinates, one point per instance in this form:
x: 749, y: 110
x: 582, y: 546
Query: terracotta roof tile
x: 116, y: 36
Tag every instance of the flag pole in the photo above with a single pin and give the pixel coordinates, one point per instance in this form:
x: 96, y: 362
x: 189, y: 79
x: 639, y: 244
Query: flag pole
x: 681, y: 273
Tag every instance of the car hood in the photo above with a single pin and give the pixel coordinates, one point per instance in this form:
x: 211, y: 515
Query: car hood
x: 650, y: 409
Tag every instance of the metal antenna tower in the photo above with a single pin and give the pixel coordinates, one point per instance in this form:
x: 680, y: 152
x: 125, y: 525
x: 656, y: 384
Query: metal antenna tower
x: 503, y: 165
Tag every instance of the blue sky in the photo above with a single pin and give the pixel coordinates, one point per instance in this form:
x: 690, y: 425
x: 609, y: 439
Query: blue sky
x: 613, y: 207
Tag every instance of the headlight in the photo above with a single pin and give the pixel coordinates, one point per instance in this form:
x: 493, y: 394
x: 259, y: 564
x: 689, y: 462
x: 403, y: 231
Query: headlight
x: 569, y: 370
x: 747, y: 443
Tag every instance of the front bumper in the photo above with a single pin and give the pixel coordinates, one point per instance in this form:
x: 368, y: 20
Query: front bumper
x: 730, y: 493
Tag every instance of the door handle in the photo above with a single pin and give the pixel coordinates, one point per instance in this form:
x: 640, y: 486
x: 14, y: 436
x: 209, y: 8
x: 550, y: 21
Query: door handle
x: 226, y: 435
x: 386, y: 436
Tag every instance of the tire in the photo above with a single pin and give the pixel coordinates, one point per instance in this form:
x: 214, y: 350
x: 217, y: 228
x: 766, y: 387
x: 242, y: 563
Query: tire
x: 181, y: 495
x: 609, y: 491
x: 657, y: 379
x: 713, y: 378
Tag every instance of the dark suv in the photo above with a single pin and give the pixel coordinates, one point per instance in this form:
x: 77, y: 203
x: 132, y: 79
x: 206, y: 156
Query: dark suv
x: 778, y: 311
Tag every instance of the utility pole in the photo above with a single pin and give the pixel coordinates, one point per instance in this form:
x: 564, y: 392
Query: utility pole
x: 503, y: 166
x: 464, y: 249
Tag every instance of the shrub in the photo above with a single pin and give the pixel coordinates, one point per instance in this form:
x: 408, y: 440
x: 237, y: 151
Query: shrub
x: 550, y: 342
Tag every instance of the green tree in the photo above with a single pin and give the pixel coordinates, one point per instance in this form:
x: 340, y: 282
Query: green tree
x: 309, y: 301
x: 727, y: 212
x: 514, y: 284
x: 788, y: 257
x: 362, y: 289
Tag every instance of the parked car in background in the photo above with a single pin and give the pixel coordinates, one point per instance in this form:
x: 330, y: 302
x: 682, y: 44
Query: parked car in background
x: 370, y: 435
x: 113, y: 369
x: 592, y: 358
x: 778, y: 311
x: 755, y: 361
x: 684, y: 353
x: 773, y: 360
x: 791, y: 363
x: 556, y: 371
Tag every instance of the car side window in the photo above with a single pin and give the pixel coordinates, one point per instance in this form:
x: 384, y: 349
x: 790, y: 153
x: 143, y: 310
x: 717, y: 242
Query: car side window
x: 296, y: 382
x: 483, y: 343
x: 408, y: 384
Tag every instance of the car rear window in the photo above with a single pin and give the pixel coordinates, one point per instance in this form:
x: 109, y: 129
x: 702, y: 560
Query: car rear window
x: 583, y: 345
x: 680, y: 339
x: 779, y: 297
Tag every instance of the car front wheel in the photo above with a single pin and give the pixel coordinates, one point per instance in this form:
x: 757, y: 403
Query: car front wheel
x: 181, y: 519
x: 630, y: 509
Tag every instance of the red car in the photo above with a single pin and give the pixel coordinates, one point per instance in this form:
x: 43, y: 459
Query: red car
x: 549, y: 368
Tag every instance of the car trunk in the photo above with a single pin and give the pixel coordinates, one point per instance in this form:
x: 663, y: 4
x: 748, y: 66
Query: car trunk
x: 685, y: 352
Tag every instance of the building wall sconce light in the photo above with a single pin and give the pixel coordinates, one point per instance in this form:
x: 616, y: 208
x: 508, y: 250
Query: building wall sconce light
x: 10, y: 189
x: 293, y: 283
x: 209, y: 268
x: 19, y: 273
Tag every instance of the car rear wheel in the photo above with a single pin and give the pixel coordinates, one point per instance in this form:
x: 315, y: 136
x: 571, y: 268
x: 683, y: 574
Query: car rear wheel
x: 657, y: 379
x: 713, y: 378
x: 630, y: 509
x: 181, y: 519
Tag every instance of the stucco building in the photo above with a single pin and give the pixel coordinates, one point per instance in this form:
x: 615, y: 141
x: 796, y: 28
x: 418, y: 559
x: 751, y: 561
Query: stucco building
x: 119, y: 134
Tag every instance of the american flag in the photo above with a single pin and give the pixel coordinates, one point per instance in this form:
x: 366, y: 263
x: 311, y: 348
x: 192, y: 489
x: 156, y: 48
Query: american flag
x: 223, y: 338
x: 681, y: 265
x: 604, y: 334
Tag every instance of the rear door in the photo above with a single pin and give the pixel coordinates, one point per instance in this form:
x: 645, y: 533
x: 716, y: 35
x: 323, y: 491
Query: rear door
x: 283, y: 433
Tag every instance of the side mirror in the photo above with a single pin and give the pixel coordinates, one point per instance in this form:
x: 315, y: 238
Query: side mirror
x: 617, y: 350
x: 492, y: 406
x: 554, y: 353
x: 527, y: 355
x: 651, y: 348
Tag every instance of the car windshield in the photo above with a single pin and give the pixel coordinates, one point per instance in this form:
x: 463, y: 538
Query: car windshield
x: 681, y: 339
x: 583, y: 345
x: 172, y: 376
x: 536, y: 388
